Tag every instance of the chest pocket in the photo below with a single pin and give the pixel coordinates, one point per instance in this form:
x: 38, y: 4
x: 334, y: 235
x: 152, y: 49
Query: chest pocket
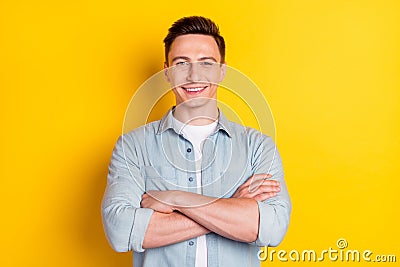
x: 159, y: 178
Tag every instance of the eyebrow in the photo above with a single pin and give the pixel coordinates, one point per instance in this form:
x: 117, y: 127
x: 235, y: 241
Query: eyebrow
x: 188, y: 59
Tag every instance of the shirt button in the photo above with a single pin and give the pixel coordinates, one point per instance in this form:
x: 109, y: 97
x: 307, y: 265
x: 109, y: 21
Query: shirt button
x: 189, y: 150
x: 191, y: 243
x: 190, y: 179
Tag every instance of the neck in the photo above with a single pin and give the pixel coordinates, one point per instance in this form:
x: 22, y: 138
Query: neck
x: 196, y: 115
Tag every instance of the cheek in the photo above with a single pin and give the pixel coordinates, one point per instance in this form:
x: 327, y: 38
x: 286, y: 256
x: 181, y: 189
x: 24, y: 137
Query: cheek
x: 175, y: 91
x: 212, y: 75
x: 177, y: 79
x: 179, y: 94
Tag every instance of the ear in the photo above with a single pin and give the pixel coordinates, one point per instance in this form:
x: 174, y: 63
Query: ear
x: 166, y: 72
x: 223, y: 72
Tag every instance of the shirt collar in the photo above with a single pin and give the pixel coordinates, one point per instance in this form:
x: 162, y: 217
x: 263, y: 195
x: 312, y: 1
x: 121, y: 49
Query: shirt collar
x: 167, y: 122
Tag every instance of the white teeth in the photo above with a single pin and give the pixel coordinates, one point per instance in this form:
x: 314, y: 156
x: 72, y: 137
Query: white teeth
x: 194, y: 89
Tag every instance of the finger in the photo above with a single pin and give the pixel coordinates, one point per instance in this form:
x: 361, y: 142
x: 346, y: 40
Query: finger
x: 244, y: 186
x: 261, y: 176
x: 264, y: 196
x: 258, y: 179
x: 263, y: 190
x: 143, y: 203
x: 248, y: 192
x: 247, y: 183
x: 271, y: 182
x: 145, y: 196
x: 255, y: 186
x: 267, y: 189
x: 151, y: 193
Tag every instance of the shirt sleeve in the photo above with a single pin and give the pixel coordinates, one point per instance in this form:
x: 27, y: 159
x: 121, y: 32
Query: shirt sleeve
x: 125, y: 222
x: 274, y: 213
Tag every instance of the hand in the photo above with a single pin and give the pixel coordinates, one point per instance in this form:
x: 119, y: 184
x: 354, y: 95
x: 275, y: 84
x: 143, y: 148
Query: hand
x: 157, y: 201
x: 258, y: 188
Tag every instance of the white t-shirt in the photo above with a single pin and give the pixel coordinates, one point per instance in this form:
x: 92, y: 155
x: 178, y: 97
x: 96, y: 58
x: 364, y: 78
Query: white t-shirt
x: 196, y: 135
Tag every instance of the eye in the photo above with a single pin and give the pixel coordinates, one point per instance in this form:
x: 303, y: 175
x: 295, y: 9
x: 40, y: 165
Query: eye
x: 182, y: 63
x: 207, y: 63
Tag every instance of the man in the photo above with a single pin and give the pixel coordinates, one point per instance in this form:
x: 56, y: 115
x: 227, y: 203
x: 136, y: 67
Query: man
x: 195, y: 189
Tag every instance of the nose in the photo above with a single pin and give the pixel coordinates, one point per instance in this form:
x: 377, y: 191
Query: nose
x: 194, y: 72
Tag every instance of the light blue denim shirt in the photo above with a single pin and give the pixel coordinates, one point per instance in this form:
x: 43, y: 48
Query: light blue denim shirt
x: 156, y: 156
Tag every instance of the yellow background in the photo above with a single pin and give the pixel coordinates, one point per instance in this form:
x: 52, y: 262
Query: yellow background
x: 329, y: 70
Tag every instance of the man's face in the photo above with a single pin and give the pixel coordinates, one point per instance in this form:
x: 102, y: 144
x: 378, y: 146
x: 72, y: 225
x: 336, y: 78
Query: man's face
x: 194, y: 69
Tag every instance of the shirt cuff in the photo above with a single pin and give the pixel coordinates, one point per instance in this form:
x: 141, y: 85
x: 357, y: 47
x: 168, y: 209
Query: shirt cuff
x: 266, y: 223
x: 140, y: 223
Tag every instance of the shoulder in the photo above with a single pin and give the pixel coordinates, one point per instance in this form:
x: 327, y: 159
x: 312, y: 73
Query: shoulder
x: 139, y: 134
x: 253, y: 136
x: 147, y: 129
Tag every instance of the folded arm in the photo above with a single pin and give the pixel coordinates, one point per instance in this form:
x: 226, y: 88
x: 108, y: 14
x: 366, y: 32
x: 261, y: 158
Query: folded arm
x: 236, y: 218
x: 170, y: 228
x: 258, y: 212
x: 134, y: 220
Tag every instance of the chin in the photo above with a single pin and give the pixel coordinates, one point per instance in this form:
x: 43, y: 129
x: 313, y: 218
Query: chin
x: 196, y: 102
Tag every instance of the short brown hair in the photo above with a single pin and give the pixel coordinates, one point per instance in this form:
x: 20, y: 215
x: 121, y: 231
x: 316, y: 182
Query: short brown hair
x: 194, y: 25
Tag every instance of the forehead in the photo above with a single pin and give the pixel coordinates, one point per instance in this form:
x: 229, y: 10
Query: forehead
x: 194, y: 46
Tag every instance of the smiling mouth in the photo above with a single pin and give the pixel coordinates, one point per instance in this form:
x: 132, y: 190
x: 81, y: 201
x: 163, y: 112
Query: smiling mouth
x: 194, y: 89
